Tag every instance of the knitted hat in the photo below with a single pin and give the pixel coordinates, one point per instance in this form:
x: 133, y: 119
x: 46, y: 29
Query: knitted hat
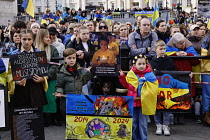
x: 34, y: 24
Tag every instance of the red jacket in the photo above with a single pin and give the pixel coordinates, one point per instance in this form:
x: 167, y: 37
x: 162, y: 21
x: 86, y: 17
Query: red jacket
x: 131, y: 89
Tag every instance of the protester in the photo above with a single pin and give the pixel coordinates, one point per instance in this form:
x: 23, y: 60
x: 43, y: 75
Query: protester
x: 142, y: 40
x: 161, y: 30
x: 135, y: 81
x: 70, y: 77
x: 162, y: 62
x: 35, y: 28
x: 28, y: 92
x: 43, y: 44
x: 47, y: 17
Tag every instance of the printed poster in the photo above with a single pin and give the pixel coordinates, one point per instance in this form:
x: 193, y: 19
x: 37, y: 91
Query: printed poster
x: 174, y: 90
x: 106, y: 58
x: 99, y: 117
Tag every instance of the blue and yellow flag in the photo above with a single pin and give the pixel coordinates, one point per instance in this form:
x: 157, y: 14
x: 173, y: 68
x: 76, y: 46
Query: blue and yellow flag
x: 28, y: 7
x: 155, y: 15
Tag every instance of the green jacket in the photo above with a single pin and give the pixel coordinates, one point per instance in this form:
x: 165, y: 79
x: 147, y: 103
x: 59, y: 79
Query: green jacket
x: 68, y: 82
x: 52, y: 68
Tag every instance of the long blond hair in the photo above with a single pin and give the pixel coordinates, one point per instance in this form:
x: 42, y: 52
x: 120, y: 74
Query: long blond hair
x: 40, y: 43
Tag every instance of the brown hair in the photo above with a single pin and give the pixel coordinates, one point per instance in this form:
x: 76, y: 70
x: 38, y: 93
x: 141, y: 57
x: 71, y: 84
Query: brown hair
x: 159, y: 43
x: 82, y: 28
x: 69, y: 51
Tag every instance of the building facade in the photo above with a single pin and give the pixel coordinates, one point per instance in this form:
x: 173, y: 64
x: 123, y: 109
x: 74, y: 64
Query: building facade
x: 41, y: 5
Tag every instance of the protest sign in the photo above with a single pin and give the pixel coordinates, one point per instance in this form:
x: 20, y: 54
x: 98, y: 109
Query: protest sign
x: 174, y: 93
x: 25, y: 65
x: 106, y: 58
x: 204, y: 8
x: 4, y: 114
x: 99, y: 117
x: 27, y: 124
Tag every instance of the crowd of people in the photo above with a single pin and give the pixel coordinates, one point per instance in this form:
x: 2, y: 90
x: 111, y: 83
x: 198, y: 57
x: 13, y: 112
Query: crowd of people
x: 68, y: 36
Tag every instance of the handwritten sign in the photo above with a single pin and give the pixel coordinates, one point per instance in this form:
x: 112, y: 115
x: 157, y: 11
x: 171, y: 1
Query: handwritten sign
x: 174, y: 93
x: 26, y: 65
x: 92, y: 127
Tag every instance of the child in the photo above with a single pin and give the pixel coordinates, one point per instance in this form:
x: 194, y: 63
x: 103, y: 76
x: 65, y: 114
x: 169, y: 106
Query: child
x: 83, y: 46
x: 70, y: 77
x: 162, y: 62
x: 26, y: 90
x: 103, y: 55
x: 137, y: 81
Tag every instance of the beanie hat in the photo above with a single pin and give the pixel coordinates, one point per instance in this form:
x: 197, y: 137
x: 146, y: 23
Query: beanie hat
x: 34, y: 24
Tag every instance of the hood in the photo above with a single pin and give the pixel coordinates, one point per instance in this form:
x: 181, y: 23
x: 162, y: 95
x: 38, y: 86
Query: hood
x: 171, y: 44
x: 193, y: 38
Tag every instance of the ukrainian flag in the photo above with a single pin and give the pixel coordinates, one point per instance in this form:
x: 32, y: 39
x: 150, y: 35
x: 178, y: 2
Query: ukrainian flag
x: 155, y: 15
x: 28, y: 7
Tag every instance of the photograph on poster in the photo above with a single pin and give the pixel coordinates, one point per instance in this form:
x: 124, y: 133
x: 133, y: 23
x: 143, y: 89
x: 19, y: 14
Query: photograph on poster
x: 106, y: 59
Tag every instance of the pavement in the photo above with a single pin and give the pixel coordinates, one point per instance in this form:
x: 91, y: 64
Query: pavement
x: 188, y: 131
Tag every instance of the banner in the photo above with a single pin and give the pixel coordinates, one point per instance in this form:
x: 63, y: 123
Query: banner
x: 106, y: 58
x: 27, y: 123
x: 99, y: 117
x: 2, y: 109
x: 25, y: 65
x: 204, y: 8
x: 146, y: 13
x: 174, y: 93
x: 92, y: 127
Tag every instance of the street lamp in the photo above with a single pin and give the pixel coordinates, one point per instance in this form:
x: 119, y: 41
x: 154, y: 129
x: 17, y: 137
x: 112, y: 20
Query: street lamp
x: 166, y: 4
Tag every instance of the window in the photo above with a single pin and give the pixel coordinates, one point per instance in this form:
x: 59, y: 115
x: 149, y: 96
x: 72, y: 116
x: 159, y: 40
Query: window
x: 101, y: 5
x: 135, y: 4
x: 189, y: 4
x: 160, y: 4
x: 39, y: 10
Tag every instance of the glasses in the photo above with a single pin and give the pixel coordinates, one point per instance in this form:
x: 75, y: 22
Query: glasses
x: 105, y: 27
x: 176, y: 32
x: 33, y: 21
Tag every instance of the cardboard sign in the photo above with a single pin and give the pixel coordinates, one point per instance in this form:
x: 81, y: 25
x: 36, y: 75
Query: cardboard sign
x: 203, y: 8
x: 25, y: 65
x: 27, y: 124
x: 92, y: 127
x: 106, y: 59
x: 99, y: 117
x: 174, y: 93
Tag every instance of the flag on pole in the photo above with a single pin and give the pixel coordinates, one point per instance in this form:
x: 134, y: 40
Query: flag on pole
x: 155, y: 15
x: 28, y: 7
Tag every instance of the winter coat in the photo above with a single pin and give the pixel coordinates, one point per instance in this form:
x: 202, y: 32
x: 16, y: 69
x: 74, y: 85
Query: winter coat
x: 163, y: 36
x: 132, y: 91
x: 52, y: 68
x: 162, y: 63
x: 70, y: 82
x: 183, y: 64
x: 59, y: 46
x: 142, y: 43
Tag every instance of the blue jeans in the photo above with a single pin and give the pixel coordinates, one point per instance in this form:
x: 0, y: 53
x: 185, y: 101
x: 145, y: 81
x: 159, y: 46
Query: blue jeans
x: 158, y: 118
x: 139, y: 125
x: 205, y: 93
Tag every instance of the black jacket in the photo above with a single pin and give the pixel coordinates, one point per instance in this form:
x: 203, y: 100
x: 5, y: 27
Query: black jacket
x: 87, y: 54
x: 163, y: 63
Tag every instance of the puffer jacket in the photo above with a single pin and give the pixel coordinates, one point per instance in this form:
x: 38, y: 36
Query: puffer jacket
x: 52, y: 68
x: 142, y: 43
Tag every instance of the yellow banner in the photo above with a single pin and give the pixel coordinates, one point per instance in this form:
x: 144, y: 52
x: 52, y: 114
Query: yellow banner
x: 95, y: 127
x: 172, y: 98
